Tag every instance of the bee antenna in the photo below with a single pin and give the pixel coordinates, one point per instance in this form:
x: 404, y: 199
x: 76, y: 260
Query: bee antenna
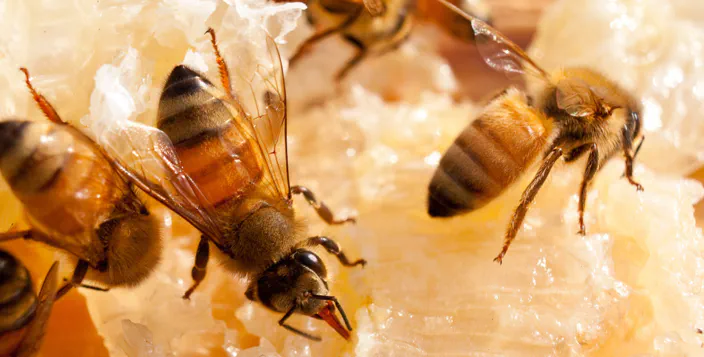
x: 283, y: 323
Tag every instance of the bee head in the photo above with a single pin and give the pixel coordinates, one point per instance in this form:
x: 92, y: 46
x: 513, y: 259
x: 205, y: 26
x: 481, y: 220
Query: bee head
x: 296, y: 284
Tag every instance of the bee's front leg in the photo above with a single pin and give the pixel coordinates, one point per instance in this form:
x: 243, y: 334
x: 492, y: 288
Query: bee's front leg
x: 630, y: 158
x: 589, y: 172
x: 333, y: 248
x: 42, y: 102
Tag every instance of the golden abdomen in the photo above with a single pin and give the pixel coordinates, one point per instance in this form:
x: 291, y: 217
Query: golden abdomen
x: 223, y: 166
x: 76, y: 202
x: 58, y: 177
x: 214, y: 151
x: 488, y: 156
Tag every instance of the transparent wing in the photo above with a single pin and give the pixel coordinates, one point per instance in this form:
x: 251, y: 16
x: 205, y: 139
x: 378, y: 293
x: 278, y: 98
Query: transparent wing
x: 45, y: 301
x: 576, y: 97
x: 269, y: 120
x: 497, y: 50
x: 91, y: 196
x: 146, y: 157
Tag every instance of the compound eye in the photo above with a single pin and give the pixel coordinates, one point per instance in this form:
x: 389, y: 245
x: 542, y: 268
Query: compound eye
x: 8, y: 266
x: 310, y: 260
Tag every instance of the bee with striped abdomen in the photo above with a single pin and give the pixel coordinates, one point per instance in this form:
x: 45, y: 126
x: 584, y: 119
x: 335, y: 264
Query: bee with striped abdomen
x: 378, y: 26
x: 75, y: 201
x: 24, y: 313
x: 225, y: 170
x: 576, y: 111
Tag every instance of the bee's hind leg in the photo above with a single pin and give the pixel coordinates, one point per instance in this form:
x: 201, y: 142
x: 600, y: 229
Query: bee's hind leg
x: 222, y: 66
x: 527, y: 198
x: 43, y: 104
x: 76, y: 279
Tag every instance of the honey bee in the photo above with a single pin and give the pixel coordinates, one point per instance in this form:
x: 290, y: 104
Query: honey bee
x: 576, y: 111
x: 225, y: 171
x: 75, y: 201
x: 24, y: 313
x: 379, y: 26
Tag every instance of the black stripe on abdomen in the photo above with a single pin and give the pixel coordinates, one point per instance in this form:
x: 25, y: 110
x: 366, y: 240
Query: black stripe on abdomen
x: 196, y: 121
x: 17, y: 299
x: 473, y: 171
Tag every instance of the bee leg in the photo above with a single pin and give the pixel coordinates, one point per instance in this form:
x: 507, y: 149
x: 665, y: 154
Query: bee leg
x: 198, y: 271
x: 333, y: 248
x: 306, y: 46
x: 15, y: 235
x: 43, y: 104
x: 354, y: 61
x: 629, y: 174
x: 311, y: 41
x: 402, y: 35
x: 222, y: 66
x: 78, y: 275
x: 320, y: 207
x: 576, y: 153
x: 93, y: 287
x: 528, y: 195
x: 640, y: 144
x: 283, y: 324
x: 589, y: 172
x: 630, y: 158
